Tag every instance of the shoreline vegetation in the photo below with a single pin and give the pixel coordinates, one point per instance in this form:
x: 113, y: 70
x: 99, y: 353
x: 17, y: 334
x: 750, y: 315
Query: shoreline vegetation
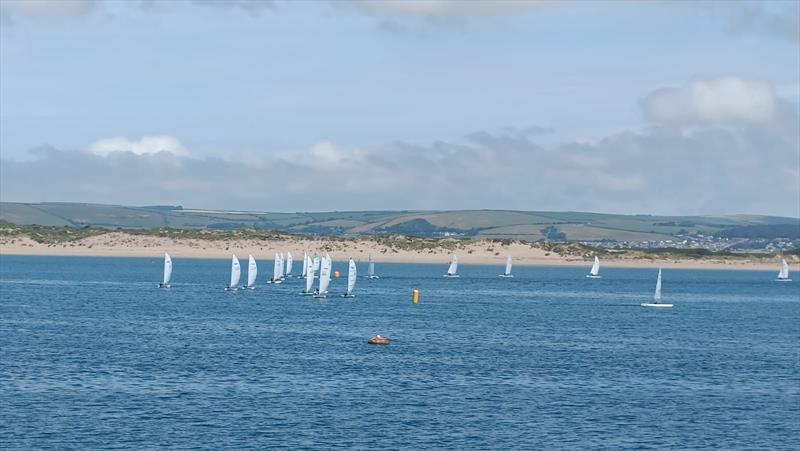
x: 191, y: 243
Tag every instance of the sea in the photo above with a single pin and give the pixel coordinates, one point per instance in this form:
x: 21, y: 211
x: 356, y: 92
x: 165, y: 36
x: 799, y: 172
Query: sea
x: 93, y: 355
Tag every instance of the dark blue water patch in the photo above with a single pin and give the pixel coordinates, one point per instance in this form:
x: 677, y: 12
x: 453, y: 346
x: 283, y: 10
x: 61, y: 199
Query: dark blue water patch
x: 93, y: 355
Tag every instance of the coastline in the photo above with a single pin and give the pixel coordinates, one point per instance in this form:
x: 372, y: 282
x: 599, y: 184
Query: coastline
x: 480, y: 252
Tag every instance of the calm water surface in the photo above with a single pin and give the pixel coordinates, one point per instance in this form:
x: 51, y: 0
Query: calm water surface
x: 93, y: 355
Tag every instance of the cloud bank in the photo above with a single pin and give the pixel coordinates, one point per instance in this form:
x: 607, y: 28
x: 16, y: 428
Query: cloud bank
x: 145, y: 145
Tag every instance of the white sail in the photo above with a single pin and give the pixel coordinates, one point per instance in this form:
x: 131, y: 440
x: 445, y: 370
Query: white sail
x: 324, y: 276
x: 283, y: 266
x: 371, y: 267
x: 309, y: 275
x: 167, y: 270
x: 351, y: 277
x: 316, y: 263
x: 305, y: 265
x: 236, y: 272
x: 288, y: 264
x: 657, y: 295
x: 508, y: 266
x: 453, y: 269
x: 252, y: 272
x: 783, y: 274
x: 277, y: 268
x: 595, y: 271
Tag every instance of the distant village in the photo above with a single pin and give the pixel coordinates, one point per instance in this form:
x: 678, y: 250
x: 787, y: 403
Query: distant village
x: 709, y: 242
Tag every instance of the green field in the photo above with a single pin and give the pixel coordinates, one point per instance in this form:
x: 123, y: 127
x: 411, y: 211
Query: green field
x: 522, y: 225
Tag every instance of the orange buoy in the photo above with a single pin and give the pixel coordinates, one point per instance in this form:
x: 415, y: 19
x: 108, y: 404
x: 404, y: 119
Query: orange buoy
x: 336, y: 274
x: 378, y: 340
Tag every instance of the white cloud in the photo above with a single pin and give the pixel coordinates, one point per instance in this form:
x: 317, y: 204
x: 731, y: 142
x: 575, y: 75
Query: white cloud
x: 725, y: 99
x: 146, y: 145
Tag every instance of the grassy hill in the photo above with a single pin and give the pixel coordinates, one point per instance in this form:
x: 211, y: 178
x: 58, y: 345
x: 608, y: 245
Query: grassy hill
x: 523, y: 225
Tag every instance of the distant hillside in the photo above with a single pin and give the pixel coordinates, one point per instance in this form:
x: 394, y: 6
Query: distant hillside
x: 521, y: 225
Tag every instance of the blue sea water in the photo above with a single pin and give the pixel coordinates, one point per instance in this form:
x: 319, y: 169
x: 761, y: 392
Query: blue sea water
x: 93, y: 355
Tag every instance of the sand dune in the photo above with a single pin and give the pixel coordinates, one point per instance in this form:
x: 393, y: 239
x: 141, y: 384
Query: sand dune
x: 121, y: 244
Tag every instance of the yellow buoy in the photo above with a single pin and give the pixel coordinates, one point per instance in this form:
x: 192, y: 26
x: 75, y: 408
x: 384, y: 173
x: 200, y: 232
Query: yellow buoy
x: 415, y: 296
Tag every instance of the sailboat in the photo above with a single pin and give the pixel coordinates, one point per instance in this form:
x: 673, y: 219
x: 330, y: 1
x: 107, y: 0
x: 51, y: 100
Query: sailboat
x: 351, y: 279
x: 507, y: 272
x: 594, y: 273
x: 252, y: 272
x: 167, y: 271
x: 657, y: 296
x: 324, y: 278
x: 452, y: 271
x: 283, y: 267
x: 371, y: 269
x: 288, y: 264
x: 305, y: 266
x: 309, y: 277
x: 235, y: 273
x: 783, y: 275
x: 277, y: 270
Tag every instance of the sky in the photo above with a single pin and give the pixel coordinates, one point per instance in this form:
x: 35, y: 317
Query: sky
x: 635, y: 107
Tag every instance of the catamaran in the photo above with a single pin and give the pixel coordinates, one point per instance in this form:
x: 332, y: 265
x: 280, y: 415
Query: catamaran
x: 594, y: 273
x: 167, y: 271
x: 351, y: 279
x: 235, y: 273
x: 288, y: 264
x: 783, y: 275
x: 452, y: 271
x: 309, y: 277
x: 277, y: 270
x: 371, y: 269
x: 252, y: 272
x: 657, y: 296
x: 324, y: 278
x: 507, y: 272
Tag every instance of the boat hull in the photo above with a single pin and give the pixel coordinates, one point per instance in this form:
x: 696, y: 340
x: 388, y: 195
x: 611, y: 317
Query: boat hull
x: 164, y: 285
x: 506, y: 275
x: 657, y: 305
x: 346, y: 295
x: 452, y: 276
x: 372, y: 277
x: 776, y: 280
x: 231, y: 288
x: 589, y: 276
x: 306, y: 293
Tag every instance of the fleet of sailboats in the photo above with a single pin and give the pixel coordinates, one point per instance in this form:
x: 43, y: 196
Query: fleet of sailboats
x: 167, y: 271
x: 783, y: 274
x: 452, y: 271
x: 594, y: 273
x: 283, y: 268
x: 351, y: 279
x: 507, y: 272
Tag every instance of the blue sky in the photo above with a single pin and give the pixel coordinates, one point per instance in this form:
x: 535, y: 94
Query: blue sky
x: 370, y: 85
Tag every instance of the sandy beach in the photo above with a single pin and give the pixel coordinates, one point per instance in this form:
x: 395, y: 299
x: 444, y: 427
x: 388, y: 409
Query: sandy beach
x: 484, y: 252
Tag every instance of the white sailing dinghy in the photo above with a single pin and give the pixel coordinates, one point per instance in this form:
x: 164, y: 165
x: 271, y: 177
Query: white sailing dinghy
x: 783, y: 274
x: 309, y: 277
x: 351, y: 279
x: 594, y: 273
x: 305, y: 266
x: 507, y: 272
x: 657, y: 296
x: 277, y: 270
x: 236, y: 272
x: 167, y: 271
x: 324, y: 278
x: 452, y: 271
x: 252, y: 272
x: 371, y: 269
x: 288, y: 264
